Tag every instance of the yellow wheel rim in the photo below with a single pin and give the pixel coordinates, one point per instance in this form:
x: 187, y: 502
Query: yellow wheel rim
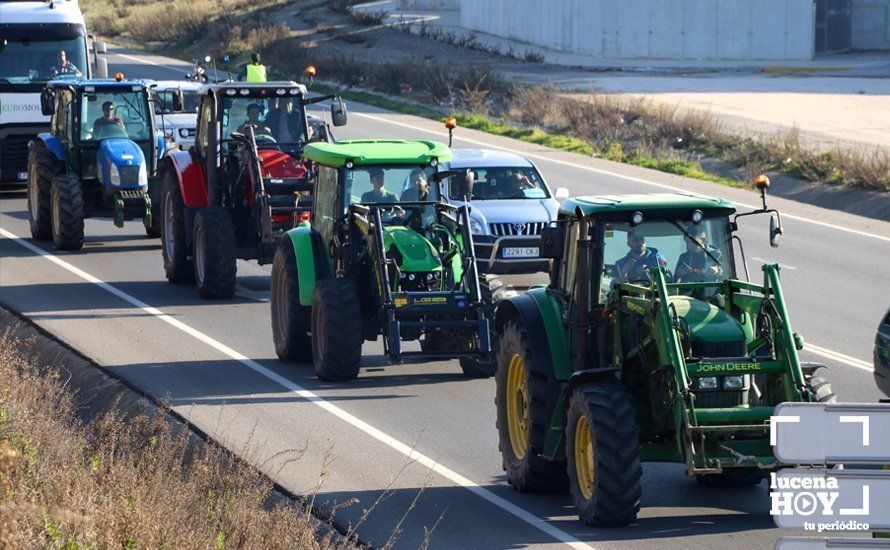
x: 517, y: 406
x: 584, y: 458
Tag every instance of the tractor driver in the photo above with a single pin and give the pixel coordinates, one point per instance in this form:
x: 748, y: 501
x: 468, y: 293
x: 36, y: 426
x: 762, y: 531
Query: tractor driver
x: 639, y: 260
x: 696, y: 265
x: 108, y: 118
x: 378, y: 194
x: 253, y: 120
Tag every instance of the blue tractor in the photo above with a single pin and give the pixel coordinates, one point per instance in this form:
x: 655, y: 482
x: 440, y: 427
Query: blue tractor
x: 96, y: 160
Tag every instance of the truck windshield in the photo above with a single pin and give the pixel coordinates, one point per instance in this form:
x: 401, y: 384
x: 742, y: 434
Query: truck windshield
x: 692, y: 253
x: 37, y: 53
x: 114, y: 114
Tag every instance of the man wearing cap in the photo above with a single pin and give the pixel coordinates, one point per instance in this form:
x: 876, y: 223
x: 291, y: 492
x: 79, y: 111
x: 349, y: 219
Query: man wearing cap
x: 695, y: 265
x: 640, y: 259
x: 378, y: 194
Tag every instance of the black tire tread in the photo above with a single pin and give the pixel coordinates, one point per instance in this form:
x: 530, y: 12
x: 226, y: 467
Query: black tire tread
x: 336, y: 305
x: 220, y: 254
x: 532, y: 474
x: 617, y: 490
x: 485, y: 367
x: 295, y: 345
x: 47, y: 167
x: 71, y: 214
x: 178, y: 269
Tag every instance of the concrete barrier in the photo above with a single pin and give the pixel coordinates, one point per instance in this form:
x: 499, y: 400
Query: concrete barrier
x: 653, y: 29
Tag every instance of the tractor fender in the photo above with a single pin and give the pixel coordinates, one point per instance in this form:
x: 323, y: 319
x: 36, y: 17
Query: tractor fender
x: 53, y: 144
x: 313, y: 260
x: 191, y: 178
x: 589, y: 376
x: 542, y: 316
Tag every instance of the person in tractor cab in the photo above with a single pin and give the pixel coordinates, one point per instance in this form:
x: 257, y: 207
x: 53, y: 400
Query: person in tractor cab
x: 284, y: 121
x: 640, y: 259
x: 108, y: 118
x: 379, y: 194
x: 419, y: 190
x: 700, y: 263
x: 253, y: 119
x: 64, y: 67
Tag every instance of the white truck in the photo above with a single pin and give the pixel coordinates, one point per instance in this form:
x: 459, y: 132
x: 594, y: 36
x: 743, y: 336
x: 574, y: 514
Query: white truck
x: 39, y: 41
x: 176, y: 111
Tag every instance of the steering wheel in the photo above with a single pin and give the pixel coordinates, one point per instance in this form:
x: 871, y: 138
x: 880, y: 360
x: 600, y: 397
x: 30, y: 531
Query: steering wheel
x: 265, y: 138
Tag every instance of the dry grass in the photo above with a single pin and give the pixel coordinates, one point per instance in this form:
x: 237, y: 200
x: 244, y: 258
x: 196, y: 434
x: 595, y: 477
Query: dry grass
x: 117, y: 483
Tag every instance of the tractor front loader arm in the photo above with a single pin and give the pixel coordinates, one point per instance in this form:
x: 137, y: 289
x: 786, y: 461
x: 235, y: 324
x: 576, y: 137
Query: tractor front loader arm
x: 254, y: 167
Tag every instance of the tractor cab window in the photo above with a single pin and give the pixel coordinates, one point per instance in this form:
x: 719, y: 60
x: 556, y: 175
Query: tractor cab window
x: 114, y: 114
x: 390, y: 184
x: 689, y: 252
x: 276, y: 121
x: 519, y: 182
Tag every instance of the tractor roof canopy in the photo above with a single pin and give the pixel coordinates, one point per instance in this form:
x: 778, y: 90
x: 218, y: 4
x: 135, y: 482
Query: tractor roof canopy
x: 254, y: 89
x: 377, y: 151
x: 104, y: 83
x: 654, y: 205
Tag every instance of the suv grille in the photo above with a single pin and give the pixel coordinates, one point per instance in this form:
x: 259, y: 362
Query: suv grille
x: 14, y: 152
x: 513, y: 229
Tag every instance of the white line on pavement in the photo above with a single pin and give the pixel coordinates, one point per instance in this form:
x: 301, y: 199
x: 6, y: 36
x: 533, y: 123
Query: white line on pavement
x: 783, y: 266
x: 356, y: 422
x: 613, y: 174
x: 839, y: 357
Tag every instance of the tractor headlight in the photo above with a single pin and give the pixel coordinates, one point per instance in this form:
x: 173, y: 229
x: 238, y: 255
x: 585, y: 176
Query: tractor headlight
x: 143, y: 176
x: 734, y: 383
x: 708, y: 383
x: 114, y: 175
x: 476, y: 227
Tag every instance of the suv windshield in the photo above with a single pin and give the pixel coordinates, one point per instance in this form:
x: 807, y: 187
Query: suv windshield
x: 276, y: 120
x: 390, y: 184
x: 114, y: 114
x: 504, y: 183
x: 40, y: 55
x: 165, y: 103
x: 692, y: 253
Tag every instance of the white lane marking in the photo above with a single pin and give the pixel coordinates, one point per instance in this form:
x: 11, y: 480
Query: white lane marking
x: 613, y: 174
x: 839, y: 357
x: 255, y: 295
x: 147, y: 62
x: 783, y: 266
x: 377, y: 434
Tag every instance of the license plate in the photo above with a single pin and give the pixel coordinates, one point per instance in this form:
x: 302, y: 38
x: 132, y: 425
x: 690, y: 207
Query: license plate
x: 522, y: 252
x: 23, y: 175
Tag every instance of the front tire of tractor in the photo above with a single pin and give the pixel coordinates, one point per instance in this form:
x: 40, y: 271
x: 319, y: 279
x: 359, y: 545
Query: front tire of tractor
x: 177, y: 266
x: 42, y: 168
x: 336, y: 330
x: 485, y: 367
x: 67, y: 212
x: 603, y: 455
x: 215, y: 254
x: 526, y: 398
x: 291, y: 321
x: 818, y: 386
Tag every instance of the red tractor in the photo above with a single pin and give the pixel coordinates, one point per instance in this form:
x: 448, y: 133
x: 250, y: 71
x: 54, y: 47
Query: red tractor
x: 243, y: 183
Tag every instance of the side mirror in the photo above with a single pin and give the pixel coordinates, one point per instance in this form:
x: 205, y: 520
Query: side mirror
x: 101, y: 68
x: 100, y: 47
x: 46, y: 103
x: 338, y: 112
x: 775, y: 230
x: 465, y: 182
x: 552, y: 242
x: 561, y: 193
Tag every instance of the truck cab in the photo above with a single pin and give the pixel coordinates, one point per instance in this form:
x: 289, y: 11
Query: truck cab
x: 176, y: 111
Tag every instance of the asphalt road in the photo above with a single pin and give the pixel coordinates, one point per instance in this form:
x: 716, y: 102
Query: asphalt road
x: 416, y: 444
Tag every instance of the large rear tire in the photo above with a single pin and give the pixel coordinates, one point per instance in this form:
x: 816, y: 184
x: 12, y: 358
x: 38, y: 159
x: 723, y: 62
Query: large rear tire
x: 526, y: 398
x: 215, y: 254
x: 603, y: 454
x: 43, y: 166
x: 336, y: 330
x: 291, y: 321
x: 67, y: 212
x: 484, y: 367
x: 178, y: 267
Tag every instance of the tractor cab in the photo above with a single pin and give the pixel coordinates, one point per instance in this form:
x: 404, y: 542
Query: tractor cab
x: 104, y: 141
x: 384, y: 254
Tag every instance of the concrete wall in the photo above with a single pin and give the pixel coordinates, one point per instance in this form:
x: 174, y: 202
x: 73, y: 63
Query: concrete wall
x: 653, y: 29
x: 429, y: 4
x: 871, y: 24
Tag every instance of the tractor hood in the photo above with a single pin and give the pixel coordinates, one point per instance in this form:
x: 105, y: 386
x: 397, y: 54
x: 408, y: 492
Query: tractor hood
x: 121, y: 165
x: 714, y: 332
x: 278, y: 164
x: 410, y: 249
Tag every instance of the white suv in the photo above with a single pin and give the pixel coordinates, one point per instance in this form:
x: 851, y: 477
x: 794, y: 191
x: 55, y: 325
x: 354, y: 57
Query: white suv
x: 176, y: 111
x: 511, y: 204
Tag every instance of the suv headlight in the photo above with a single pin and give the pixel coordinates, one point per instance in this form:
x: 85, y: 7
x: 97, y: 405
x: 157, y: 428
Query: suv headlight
x: 476, y: 227
x: 114, y: 175
x: 184, y: 132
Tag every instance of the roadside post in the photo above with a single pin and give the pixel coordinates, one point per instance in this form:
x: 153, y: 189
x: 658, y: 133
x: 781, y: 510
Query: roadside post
x: 822, y: 495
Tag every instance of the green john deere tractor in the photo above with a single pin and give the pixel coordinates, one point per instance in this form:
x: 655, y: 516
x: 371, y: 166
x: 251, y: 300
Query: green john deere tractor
x: 383, y: 254
x: 644, y: 347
